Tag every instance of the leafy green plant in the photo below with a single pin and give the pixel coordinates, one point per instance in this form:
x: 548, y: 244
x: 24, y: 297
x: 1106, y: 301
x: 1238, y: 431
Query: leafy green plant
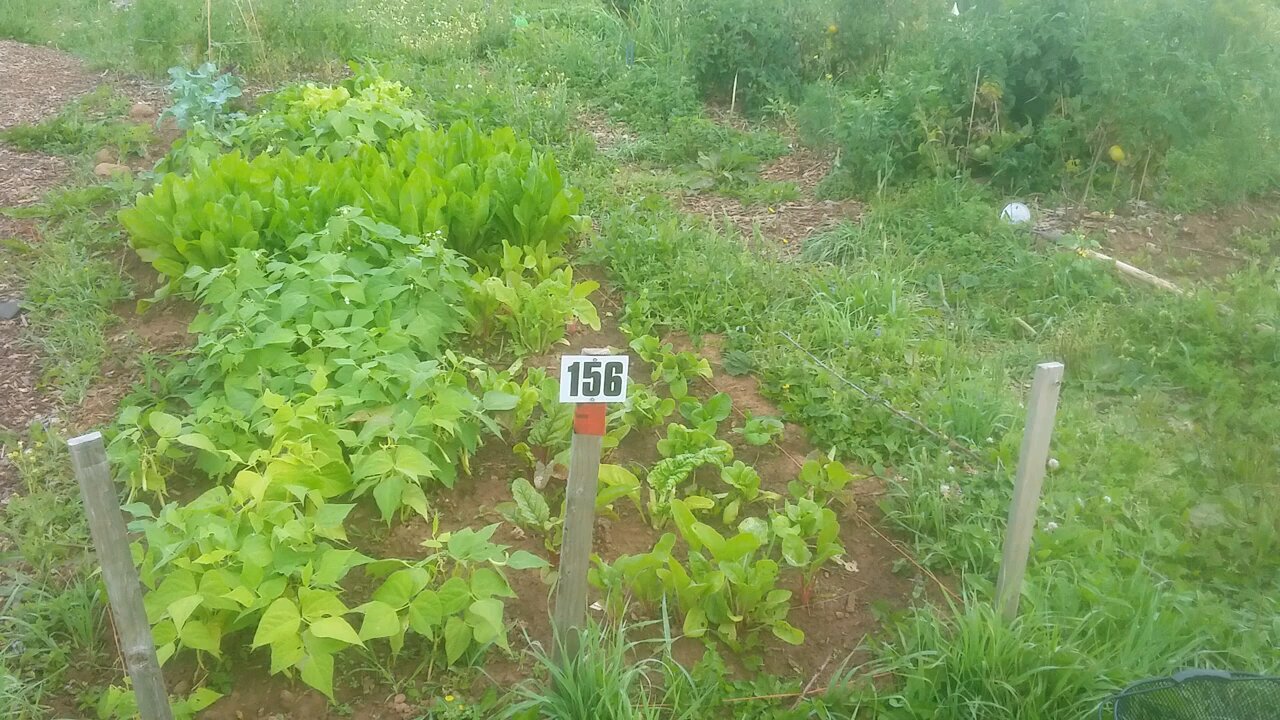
x: 528, y: 509
x: 707, y: 416
x: 122, y: 703
x: 535, y: 316
x: 745, y: 482
x: 476, y: 189
x: 644, y: 408
x: 822, y: 479
x: 454, y: 598
x: 725, y: 590
x: 683, y: 452
x: 202, y: 96
x: 760, y: 430
x: 674, y: 369
x: 808, y: 535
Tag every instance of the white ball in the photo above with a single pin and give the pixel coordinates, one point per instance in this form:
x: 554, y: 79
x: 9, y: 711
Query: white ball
x: 1016, y: 213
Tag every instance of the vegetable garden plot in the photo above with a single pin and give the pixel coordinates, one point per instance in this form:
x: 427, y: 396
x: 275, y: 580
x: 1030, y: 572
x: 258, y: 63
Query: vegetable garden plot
x: 349, y: 295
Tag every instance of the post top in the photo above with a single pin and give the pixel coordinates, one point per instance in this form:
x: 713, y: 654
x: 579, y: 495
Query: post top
x: 86, y: 438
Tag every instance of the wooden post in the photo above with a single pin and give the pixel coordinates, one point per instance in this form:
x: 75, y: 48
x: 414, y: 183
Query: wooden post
x: 575, y: 553
x: 1042, y: 406
x: 579, y: 523
x: 124, y: 590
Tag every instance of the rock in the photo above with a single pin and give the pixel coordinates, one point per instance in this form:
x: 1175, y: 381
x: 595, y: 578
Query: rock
x: 182, y: 688
x: 399, y: 699
x: 105, y: 155
x: 287, y: 697
x: 851, y: 603
x: 111, y: 169
x: 142, y: 112
x: 9, y: 309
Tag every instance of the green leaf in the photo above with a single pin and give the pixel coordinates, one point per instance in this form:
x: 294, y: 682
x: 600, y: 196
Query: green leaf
x: 317, y: 671
x: 196, y: 440
x: 286, y: 653
x: 487, y: 582
x: 180, y: 610
x: 387, y: 493
x: 495, y: 401
x: 695, y: 622
x: 402, y: 586
x: 165, y: 425
x: 281, y: 620
x: 412, y: 462
x: 485, y: 618
x: 380, y: 620
x: 335, y: 628
x: 320, y: 603
x: 198, y: 635
x: 457, y: 637
x: 788, y: 633
x: 525, y: 560
x: 454, y: 595
x: 426, y: 613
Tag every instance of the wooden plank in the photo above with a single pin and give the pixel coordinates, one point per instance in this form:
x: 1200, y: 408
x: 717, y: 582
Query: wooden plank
x: 124, y: 590
x: 1042, y: 407
x: 575, y: 552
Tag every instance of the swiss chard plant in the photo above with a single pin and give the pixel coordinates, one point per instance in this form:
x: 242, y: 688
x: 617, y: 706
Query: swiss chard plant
x: 529, y: 510
x: 674, y: 369
x: 760, y: 430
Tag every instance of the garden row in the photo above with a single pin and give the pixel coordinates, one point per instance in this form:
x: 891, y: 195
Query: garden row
x: 349, y: 279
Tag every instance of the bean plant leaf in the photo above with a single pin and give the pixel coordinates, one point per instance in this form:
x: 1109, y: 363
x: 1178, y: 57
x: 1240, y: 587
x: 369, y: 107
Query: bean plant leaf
x: 335, y: 628
x: 281, y: 620
x: 165, y: 425
x: 317, y: 671
x: 380, y: 620
x: 457, y: 637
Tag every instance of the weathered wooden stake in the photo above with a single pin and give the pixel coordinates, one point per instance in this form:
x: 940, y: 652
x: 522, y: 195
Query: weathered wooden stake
x: 1042, y: 406
x: 124, y: 590
x: 579, y: 522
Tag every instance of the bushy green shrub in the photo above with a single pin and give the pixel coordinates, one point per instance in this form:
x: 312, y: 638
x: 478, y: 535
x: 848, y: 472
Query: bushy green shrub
x: 1176, y: 94
x: 751, y: 51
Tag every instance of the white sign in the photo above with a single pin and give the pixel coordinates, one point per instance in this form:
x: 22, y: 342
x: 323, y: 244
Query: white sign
x: 593, y: 378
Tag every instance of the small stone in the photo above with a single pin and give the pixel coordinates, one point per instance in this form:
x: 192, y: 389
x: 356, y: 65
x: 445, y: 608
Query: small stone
x: 142, y: 112
x: 182, y: 688
x: 287, y: 697
x: 9, y: 309
x: 105, y: 155
x: 399, y: 699
x: 111, y: 169
x: 851, y: 603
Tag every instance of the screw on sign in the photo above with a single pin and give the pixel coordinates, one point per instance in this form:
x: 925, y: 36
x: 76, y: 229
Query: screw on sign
x: 591, y: 381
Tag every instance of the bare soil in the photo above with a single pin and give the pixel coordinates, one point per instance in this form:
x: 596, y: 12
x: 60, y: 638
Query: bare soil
x: 1185, y: 249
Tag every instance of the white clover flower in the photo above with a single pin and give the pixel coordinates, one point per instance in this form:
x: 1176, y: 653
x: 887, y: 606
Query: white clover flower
x: 1050, y: 526
x: 1106, y: 499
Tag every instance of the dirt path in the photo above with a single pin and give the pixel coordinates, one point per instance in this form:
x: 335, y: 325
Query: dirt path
x: 36, y: 83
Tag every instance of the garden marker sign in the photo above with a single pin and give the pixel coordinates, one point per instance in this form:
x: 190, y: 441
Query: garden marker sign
x: 591, y: 381
x: 593, y: 378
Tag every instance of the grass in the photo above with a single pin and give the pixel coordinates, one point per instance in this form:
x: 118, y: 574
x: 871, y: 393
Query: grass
x: 73, y: 279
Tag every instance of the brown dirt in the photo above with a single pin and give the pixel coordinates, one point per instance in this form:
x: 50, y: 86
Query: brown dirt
x: 1186, y: 249
x: 609, y: 135
x: 36, y: 82
x: 26, y: 176
x: 783, y: 226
